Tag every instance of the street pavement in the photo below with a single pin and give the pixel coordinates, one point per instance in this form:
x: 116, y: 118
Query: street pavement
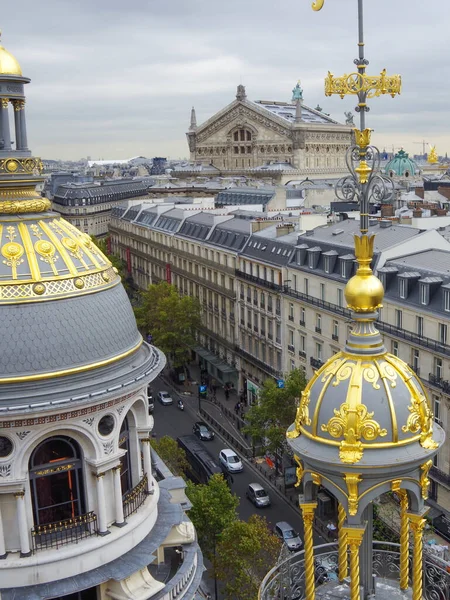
x: 170, y: 420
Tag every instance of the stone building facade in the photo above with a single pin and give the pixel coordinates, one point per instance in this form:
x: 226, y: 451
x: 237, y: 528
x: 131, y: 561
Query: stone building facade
x: 246, y: 135
x: 275, y: 301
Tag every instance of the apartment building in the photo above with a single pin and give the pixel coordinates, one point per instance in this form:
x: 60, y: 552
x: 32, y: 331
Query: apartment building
x: 272, y: 295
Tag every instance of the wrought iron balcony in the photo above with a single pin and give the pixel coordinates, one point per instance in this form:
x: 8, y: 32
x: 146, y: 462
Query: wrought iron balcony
x: 291, y: 317
x: 286, y: 581
x: 133, y: 499
x: 437, y: 381
x: 318, y: 329
x: 335, y: 337
x: 316, y: 363
x: 268, y: 284
x: 301, y: 323
x: 302, y: 354
x: 415, y: 369
x: 440, y: 476
x: 66, y: 531
x: 259, y: 363
x: 291, y: 348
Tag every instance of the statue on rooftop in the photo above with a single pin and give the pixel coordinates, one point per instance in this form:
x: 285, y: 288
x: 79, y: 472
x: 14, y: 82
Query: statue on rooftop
x: 432, y: 156
x: 297, y: 92
x: 349, y: 118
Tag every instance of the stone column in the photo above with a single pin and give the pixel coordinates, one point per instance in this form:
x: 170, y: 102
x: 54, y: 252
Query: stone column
x: 146, y: 451
x: 5, y: 134
x: 354, y: 538
x: 308, y: 520
x: 343, y: 555
x: 404, y: 539
x: 417, y: 525
x: 3, y: 552
x: 23, y: 128
x: 101, y: 501
x: 120, y: 521
x: 17, y: 123
x: 366, y: 553
x: 22, y: 524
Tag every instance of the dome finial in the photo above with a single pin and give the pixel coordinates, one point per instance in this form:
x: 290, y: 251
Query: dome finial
x: 364, y: 292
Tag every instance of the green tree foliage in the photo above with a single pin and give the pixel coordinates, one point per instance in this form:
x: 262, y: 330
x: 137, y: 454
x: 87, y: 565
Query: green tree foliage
x: 245, y: 553
x: 214, y: 508
x: 171, y: 319
x: 115, y: 260
x: 171, y: 454
x: 275, y: 410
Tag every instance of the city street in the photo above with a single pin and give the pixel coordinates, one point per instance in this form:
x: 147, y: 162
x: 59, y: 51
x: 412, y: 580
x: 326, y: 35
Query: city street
x: 169, y: 420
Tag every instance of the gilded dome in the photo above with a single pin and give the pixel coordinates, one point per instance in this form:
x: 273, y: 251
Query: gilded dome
x: 357, y: 402
x: 9, y: 65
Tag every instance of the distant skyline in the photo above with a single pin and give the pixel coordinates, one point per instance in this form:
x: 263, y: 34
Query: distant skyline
x: 113, y: 80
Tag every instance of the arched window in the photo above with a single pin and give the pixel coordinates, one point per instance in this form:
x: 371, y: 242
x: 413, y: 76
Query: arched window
x: 56, y: 480
x: 125, y: 464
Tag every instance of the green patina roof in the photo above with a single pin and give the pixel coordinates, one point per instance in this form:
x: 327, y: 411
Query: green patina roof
x: 400, y: 164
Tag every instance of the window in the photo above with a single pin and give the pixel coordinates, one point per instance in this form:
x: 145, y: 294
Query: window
x: 291, y: 337
x: 56, y: 480
x: 262, y: 301
x: 322, y: 291
x: 340, y: 297
x: 442, y: 333
x: 395, y: 348
x: 319, y: 353
x: 291, y: 311
x: 270, y: 329
x: 292, y: 365
x: 398, y: 318
x: 318, y: 323
x: 125, y: 465
x: 269, y: 304
x: 415, y: 360
x: 447, y: 300
x: 306, y: 286
x: 402, y: 287
x: 419, y: 326
x: 437, y: 409
x: 278, y: 334
x: 335, y: 334
x: 302, y: 317
x: 424, y: 294
x: 438, y: 368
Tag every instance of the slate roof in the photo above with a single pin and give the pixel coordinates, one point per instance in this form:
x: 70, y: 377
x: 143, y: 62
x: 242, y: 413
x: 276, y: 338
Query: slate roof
x: 286, y: 111
x: 75, y: 193
x: 430, y: 267
x: 232, y: 234
x: 268, y: 249
x: 198, y: 226
x: 243, y: 196
x: 169, y: 220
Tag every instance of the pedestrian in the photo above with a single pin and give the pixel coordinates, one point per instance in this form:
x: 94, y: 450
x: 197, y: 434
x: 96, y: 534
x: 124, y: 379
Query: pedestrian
x: 227, y: 394
x: 237, y: 408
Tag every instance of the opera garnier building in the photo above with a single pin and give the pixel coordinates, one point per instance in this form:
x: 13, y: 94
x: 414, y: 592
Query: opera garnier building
x: 86, y: 510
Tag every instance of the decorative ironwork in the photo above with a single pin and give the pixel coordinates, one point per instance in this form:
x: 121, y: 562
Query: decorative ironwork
x: 67, y: 531
x: 286, y: 581
x: 133, y: 499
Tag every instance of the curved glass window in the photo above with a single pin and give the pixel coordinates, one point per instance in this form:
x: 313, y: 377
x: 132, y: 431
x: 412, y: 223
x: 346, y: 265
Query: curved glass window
x: 56, y: 480
x: 125, y: 464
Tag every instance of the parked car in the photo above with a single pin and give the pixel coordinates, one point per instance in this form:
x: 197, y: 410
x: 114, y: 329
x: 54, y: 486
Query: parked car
x: 151, y: 404
x: 288, y: 535
x: 258, y: 495
x: 165, y: 398
x: 230, y: 461
x: 202, y: 431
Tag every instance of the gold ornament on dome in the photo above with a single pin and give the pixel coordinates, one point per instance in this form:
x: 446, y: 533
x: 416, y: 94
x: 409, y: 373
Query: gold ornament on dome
x: 317, y: 4
x: 299, y: 471
x: 11, y: 166
x: 364, y: 292
x: 352, y: 480
x: 22, y: 165
x: 421, y: 419
x: 302, y: 415
x: 13, y: 253
x: 424, y: 479
x: 78, y: 283
x: 362, y: 138
x: 39, y: 289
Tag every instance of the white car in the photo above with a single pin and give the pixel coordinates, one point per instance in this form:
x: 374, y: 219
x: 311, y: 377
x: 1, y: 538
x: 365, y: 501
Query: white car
x: 231, y: 461
x: 165, y: 398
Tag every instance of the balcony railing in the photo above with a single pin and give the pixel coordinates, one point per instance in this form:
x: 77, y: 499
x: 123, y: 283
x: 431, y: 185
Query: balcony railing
x: 133, y: 499
x: 437, y: 381
x: 259, y: 363
x: 440, y: 476
x: 316, y: 363
x: 302, y: 354
x: 335, y: 337
x: 67, y: 531
x: 286, y: 581
x: 291, y: 348
x: 415, y: 369
x: 318, y: 329
x: 268, y: 284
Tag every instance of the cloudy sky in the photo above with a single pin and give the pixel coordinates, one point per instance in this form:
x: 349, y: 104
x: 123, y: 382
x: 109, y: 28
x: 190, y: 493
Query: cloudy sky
x: 114, y: 79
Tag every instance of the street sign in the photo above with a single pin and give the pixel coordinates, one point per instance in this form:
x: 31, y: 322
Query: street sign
x: 202, y: 389
x: 280, y: 383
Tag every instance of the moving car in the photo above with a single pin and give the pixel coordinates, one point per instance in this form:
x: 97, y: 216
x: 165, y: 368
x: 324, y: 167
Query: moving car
x: 202, y: 431
x: 165, y: 398
x: 258, y: 495
x: 288, y: 535
x: 230, y: 460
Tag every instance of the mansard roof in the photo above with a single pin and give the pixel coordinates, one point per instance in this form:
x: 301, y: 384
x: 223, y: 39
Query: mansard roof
x: 242, y: 196
x: 286, y: 111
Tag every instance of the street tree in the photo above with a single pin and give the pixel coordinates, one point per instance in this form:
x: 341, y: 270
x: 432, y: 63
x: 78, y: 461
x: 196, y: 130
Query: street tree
x: 116, y: 262
x: 275, y: 409
x: 171, y: 320
x: 245, y: 552
x: 171, y: 454
x: 214, y: 508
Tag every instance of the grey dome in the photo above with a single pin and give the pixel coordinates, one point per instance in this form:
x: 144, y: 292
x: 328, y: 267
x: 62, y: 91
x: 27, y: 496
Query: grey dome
x: 59, y: 335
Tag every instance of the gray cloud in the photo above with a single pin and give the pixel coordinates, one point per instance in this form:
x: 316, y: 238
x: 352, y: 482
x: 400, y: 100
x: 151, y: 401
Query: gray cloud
x: 115, y: 79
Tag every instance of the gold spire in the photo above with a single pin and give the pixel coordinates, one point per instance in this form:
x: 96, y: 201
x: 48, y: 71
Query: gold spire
x: 364, y: 292
x: 433, y: 157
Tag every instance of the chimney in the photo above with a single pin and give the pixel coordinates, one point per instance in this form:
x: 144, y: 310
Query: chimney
x: 387, y: 210
x: 385, y: 223
x: 444, y: 191
x: 419, y: 191
x: 284, y: 229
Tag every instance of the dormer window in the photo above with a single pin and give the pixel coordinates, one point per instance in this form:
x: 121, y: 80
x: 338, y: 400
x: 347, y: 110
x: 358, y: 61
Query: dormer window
x: 313, y: 257
x: 329, y: 260
x: 424, y: 294
x: 346, y: 265
x: 403, y: 288
x: 446, y: 299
